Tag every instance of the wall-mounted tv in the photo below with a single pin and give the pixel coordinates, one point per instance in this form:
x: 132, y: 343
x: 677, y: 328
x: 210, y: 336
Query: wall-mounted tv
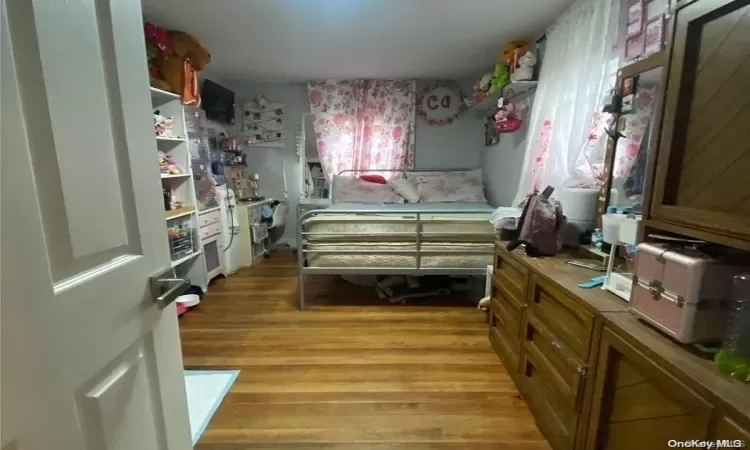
x: 218, y: 102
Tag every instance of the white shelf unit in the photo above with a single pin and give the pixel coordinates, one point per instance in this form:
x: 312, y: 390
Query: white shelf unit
x: 175, y: 176
x: 185, y: 259
x: 191, y: 266
x: 203, y: 144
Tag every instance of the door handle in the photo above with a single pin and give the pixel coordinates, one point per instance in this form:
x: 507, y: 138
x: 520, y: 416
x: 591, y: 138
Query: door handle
x: 166, y: 290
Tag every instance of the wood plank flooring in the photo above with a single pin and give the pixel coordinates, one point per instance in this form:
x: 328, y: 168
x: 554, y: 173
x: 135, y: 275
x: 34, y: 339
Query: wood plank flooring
x: 350, y: 372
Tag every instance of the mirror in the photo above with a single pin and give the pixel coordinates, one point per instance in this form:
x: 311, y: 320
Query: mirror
x: 636, y: 123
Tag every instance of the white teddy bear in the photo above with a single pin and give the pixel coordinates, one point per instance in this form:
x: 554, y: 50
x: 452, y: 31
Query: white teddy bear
x: 525, y: 71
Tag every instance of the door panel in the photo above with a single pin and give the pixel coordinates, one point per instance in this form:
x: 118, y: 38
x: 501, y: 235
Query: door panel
x: 704, y: 152
x: 136, y: 420
x: 636, y: 402
x: 91, y: 362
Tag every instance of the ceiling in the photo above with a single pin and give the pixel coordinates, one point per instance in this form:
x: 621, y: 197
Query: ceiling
x: 300, y: 40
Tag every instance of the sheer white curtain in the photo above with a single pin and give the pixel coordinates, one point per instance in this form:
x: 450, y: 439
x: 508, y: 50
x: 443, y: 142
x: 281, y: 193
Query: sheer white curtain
x: 565, y: 145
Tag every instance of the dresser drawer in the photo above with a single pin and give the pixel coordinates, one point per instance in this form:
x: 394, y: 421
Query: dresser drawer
x: 505, y: 344
x: 210, y: 230
x: 560, y: 367
x: 512, y: 276
x: 509, y: 310
x: 209, y: 218
x: 567, y: 319
x: 557, y: 422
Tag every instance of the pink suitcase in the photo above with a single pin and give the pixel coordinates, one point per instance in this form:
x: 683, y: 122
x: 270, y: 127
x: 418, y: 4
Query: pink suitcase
x: 682, y: 292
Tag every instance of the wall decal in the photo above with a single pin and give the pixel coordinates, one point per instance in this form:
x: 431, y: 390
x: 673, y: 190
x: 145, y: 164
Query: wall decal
x: 440, y: 104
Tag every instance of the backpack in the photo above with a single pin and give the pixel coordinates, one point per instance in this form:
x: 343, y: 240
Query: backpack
x: 541, y: 225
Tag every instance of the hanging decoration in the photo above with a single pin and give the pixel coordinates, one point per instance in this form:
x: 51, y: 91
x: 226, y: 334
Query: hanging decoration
x: 440, y: 104
x: 263, y: 123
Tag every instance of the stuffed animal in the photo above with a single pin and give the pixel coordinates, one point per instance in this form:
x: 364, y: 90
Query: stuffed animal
x: 513, y: 51
x: 167, y: 164
x: 525, y: 70
x: 190, y: 49
x: 499, y: 78
x: 159, y: 123
x: 179, y: 69
x: 484, y: 83
x: 163, y: 125
x: 481, y: 90
x: 157, y: 48
x: 504, y: 113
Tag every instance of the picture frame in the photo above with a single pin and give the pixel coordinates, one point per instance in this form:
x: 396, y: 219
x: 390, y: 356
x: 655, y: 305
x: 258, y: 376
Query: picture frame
x: 629, y: 85
x: 654, y: 36
x: 635, y: 46
x: 656, y: 9
x: 635, y: 19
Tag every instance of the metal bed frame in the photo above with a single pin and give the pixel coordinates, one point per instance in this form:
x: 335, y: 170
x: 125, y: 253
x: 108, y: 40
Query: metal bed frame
x: 418, y: 234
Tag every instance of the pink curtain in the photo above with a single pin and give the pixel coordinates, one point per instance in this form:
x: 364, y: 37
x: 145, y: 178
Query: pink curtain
x: 363, y: 124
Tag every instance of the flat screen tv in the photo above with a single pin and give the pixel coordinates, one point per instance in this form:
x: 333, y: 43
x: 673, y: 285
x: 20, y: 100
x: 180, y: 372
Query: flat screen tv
x: 218, y: 102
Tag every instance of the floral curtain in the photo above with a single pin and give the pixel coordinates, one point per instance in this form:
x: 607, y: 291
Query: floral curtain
x: 363, y: 124
x: 566, y: 141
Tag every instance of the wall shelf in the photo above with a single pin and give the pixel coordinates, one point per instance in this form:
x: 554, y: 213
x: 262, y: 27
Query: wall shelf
x: 180, y: 212
x: 160, y: 97
x: 270, y: 144
x: 208, y: 210
x: 166, y: 176
x: 170, y: 139
x: 509, y: 92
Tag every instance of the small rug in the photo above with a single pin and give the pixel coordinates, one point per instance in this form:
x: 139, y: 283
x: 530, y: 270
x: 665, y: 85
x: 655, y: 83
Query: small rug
x: 205, y: 392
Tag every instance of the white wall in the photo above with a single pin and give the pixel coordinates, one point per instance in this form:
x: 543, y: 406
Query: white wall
x: 502, y: 163
x: 455, y: 146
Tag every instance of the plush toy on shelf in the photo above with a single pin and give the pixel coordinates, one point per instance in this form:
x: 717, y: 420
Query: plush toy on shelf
x: 175, y: 58
x: 525, y: 69
x: 163, y: 125
x: 167, y: 165
x: 513, y: 52
x: 482, y: 86
x: 499, y: 78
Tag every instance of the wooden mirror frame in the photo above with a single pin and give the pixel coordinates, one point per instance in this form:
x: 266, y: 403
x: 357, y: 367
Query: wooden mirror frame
x: 651, y: 62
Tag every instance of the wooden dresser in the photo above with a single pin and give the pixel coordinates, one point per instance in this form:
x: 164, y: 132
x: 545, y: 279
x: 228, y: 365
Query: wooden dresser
x: 593, y: 375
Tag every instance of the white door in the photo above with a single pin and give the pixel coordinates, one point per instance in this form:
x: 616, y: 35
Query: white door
x: 88, y: 360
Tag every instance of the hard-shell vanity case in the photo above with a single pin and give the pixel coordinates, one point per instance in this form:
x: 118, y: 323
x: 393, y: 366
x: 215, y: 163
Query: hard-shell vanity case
x: 684, y: 293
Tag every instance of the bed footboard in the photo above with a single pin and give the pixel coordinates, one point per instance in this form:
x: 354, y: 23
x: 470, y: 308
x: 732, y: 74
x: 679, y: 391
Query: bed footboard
x: 415, y: 245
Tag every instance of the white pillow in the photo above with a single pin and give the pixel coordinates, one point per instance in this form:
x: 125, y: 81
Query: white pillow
x: 406, y: 189
x: 355, y: 190
x: 461, y: 186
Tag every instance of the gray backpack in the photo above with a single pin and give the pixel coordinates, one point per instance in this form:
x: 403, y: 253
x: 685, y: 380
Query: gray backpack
x: 541, y: 225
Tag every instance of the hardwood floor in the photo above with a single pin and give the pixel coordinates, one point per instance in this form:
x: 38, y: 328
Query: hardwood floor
x: 350, y: 372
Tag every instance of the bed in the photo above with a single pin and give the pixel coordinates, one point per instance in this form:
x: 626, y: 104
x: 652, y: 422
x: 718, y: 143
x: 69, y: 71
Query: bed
x: 438, y: 238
